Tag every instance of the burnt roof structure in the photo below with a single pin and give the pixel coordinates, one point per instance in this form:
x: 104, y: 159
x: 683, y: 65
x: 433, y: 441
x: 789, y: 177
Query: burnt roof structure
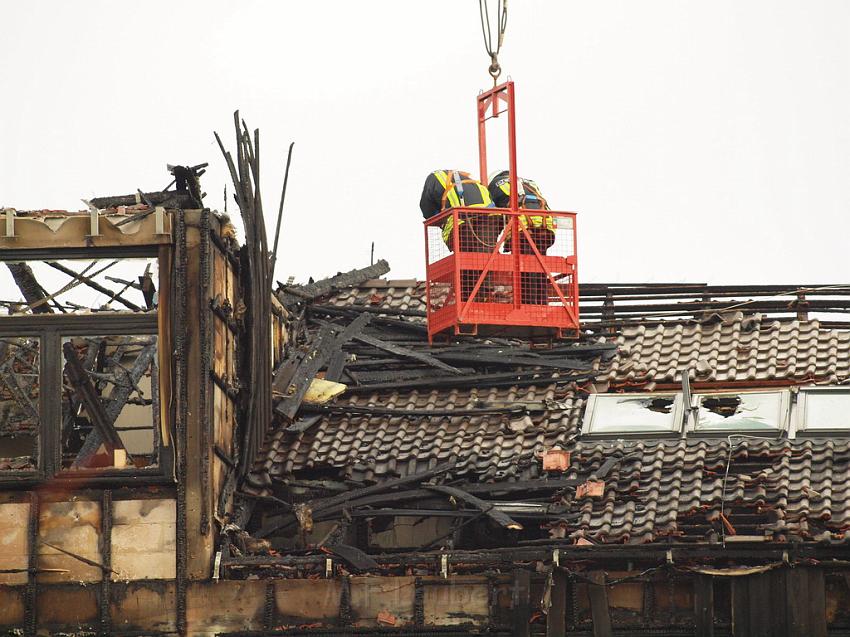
x: 484, y: 413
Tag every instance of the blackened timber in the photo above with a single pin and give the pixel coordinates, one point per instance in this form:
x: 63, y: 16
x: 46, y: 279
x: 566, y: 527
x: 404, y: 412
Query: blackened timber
x: 27, y: 283
x: 348, y: 309
x: 118, y: 397
x: 290, y: 295
x: 499, y: 517
x: 335, y: 366
x: 704, y: 605
x: 599, y: 611
x: 168, y: 199
x: 510, y: 410
x: 556, y: 618
x: 498, y: 488
x: 525, y: 378
x: 521, y: 603
x: 302, y: 424
x: 88, y: 397
x: 329, y: 506
x: 405, y: 352
x: 817, y: 603
x: 352, y: 556
x: 499, y: 357
x: 113, y: 295
x: 325, y: 344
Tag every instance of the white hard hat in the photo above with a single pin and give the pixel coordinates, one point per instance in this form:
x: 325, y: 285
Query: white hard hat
x: 495, y: 174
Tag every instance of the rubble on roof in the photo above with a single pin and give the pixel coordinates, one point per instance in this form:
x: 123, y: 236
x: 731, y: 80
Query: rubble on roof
x: 485, y: 411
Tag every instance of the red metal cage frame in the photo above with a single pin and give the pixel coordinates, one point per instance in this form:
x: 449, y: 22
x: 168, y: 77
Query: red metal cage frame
x: 559, y: 310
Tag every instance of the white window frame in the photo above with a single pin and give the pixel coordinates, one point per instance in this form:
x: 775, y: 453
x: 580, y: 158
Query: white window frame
x: 784, y: 420
x: 803, y: 396
x: 591, y: 414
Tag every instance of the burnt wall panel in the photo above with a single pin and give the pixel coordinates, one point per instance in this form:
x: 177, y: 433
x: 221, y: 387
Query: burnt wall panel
x: 143, y: 539
x: 456, y: 603
x: 12, y: 605
x: 226, y: 606
x: 67, y: 607
x: 14, y: 546
x: 305, y: 601
x: 143, y: 606
x: 391, y: 598
x: 73, y: 527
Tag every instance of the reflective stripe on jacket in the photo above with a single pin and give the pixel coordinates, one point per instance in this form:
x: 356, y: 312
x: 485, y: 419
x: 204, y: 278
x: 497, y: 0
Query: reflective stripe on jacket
x: 456, y: 190
x: 528, y: 197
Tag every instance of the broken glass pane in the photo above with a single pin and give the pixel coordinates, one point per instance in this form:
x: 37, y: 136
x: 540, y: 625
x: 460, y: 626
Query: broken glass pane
x: 826, y: 410
x: 761, y: 410
x: 79, y: 285
x: 19, y: 403
x: 619, y: 413
x: 109, y: 396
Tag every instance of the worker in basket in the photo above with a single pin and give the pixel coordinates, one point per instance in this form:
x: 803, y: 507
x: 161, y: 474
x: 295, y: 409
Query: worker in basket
x: 541, y: 229
x: 477, y: 232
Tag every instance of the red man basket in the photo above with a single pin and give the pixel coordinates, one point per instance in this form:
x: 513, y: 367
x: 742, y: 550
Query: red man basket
x: 509, y: 270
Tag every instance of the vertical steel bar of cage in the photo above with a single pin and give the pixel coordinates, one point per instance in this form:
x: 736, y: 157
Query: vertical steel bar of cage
x: 489, y: 264
x: 574, y: 281
x: 509, y: 97
x: 457, y: 263
x: 483, y: 103
x: 428, y: 284
x: 566, y: 305
x: 516, y: 238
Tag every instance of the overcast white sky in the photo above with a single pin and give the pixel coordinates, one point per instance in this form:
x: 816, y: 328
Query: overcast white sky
x: 698, y: 140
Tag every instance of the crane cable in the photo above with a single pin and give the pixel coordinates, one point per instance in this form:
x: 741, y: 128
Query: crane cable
x: 483, y: 8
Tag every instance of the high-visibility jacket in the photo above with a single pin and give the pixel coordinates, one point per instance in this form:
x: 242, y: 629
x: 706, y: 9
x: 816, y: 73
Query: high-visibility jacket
x: 445, y: 189
x: 528, y: 197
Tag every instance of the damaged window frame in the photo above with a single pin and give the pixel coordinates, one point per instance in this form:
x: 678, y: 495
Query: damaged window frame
x: 52, y: 329
x: 591, y: 427
x: 783, y: 415
x: 39, y: 408
x: 805, y: 398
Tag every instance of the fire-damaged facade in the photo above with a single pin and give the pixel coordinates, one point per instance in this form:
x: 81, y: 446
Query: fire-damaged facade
x: 187, y: 449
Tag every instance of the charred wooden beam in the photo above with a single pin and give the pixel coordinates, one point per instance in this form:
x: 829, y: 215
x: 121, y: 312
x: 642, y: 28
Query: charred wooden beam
x: 352, y: 556
x: 556, y: 617
x: 385, y: 491
x: 354, y: 309
x: 292, y: 295
x: 506, y: 379
x: 116, y: 400
x: 488, y: 508
x: 88, y: 397
x: 599, y: 610
x: 405, y: 352
x: 168, y: 199
x: 704, y: 605
x: 328, y: 342
x: 509, y: 410
x: 27, y: 283
x: 521, y: 603
x: 500, y: 357
x: 95, y: 285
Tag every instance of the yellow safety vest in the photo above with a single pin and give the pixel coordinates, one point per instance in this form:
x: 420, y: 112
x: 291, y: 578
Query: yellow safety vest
x: 450, y: 196
x: 537, y: 221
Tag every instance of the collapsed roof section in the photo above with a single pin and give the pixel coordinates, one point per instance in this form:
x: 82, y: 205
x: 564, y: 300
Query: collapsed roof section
x: 488, y: 418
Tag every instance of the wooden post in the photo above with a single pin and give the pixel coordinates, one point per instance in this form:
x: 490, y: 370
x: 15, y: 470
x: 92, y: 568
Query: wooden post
x: 522, y: 603
x: 556, y: 621
x: 704, y: 605
x: 599, y: 605
x: 816, y: 603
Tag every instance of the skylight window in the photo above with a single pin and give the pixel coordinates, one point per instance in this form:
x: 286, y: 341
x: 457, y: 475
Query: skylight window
x: 744, y: 411
x: 823, y: 409
x: 608, y: 414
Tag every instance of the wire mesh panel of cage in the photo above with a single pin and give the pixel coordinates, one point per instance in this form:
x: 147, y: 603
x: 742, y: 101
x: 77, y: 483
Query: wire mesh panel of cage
x: 501, y: 269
